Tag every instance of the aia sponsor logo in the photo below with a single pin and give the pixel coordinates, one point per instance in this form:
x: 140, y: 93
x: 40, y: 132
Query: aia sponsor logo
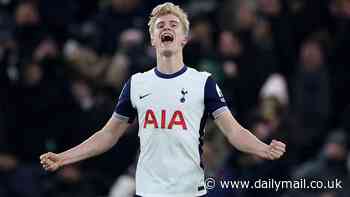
x: 176, y: 120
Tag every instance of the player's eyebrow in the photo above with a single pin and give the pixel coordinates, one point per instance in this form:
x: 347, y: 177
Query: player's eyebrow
x: 160, y: 23
x: 170, y: 21
x: 174, y: 21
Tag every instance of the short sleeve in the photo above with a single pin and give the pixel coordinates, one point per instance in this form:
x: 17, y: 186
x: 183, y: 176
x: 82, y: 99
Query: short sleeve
x: 124, y: 109
x: 214, y: 100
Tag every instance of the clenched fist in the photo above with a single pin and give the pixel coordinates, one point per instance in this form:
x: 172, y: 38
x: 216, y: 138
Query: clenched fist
x: 275, y: 150
x: 51, y: 161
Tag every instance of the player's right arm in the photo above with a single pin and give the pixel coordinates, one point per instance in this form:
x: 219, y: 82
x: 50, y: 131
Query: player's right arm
x: 101, y: 141
x: 97, y: 144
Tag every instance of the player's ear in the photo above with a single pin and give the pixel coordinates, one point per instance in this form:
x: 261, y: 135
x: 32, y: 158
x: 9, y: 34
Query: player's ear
x: 152, y: 40
x: 184, y: 40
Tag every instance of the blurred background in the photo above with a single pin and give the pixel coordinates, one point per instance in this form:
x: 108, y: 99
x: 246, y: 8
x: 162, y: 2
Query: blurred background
x: 283, y: 66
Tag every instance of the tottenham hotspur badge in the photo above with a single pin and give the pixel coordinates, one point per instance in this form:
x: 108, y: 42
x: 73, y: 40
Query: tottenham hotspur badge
x: 183, y: 92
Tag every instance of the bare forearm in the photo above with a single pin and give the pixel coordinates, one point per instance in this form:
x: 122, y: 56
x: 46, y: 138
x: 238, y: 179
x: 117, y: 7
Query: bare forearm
x: 97, y: 144
x: 240, y: 137
x: 245, y: 141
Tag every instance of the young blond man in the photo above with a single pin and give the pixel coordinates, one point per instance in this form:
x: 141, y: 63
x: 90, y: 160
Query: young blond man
x: 171, y: 102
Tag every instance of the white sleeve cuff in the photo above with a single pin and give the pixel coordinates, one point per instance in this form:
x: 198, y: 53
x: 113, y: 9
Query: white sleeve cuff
x: 219, y: 111
x: 120, y: 117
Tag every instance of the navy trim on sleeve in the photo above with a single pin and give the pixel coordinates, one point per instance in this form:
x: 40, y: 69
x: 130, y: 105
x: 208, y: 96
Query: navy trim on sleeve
x: 214, y: 100
x: 124, y: 107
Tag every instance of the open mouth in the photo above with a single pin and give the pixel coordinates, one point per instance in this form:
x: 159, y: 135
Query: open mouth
x: 167, y: 37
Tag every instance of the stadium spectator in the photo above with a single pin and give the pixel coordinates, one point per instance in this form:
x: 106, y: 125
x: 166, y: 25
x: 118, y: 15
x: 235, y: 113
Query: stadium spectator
x: 329, y: 165
x: 312, y: 94
x: 110, y: 22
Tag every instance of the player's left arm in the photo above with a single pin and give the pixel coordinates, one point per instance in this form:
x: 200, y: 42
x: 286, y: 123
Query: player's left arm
x: 245, y: 141
x: 238, y: 136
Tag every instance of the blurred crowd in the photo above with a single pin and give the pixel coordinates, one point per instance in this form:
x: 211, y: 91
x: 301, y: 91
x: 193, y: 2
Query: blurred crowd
x: 282, y: 65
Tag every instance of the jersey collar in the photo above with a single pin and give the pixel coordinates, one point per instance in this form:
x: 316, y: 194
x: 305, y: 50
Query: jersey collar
x: 169, y: 76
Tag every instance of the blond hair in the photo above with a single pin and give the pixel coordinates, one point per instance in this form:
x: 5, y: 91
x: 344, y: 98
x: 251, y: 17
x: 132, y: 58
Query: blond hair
x: 168, y: 8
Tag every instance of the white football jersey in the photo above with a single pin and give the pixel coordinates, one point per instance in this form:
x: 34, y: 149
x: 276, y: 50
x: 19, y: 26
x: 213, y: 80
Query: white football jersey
x: 171, y: 111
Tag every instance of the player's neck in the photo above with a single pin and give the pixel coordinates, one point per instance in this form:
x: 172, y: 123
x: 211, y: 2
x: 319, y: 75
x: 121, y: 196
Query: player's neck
x: 170, y: 64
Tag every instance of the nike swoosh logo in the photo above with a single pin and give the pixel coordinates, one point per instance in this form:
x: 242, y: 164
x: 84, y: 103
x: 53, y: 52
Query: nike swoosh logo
x: 143, y: 96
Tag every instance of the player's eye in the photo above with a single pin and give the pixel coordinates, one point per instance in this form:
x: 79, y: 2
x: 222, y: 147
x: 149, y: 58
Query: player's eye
x: 173, y: 24
x: 160, y: 25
